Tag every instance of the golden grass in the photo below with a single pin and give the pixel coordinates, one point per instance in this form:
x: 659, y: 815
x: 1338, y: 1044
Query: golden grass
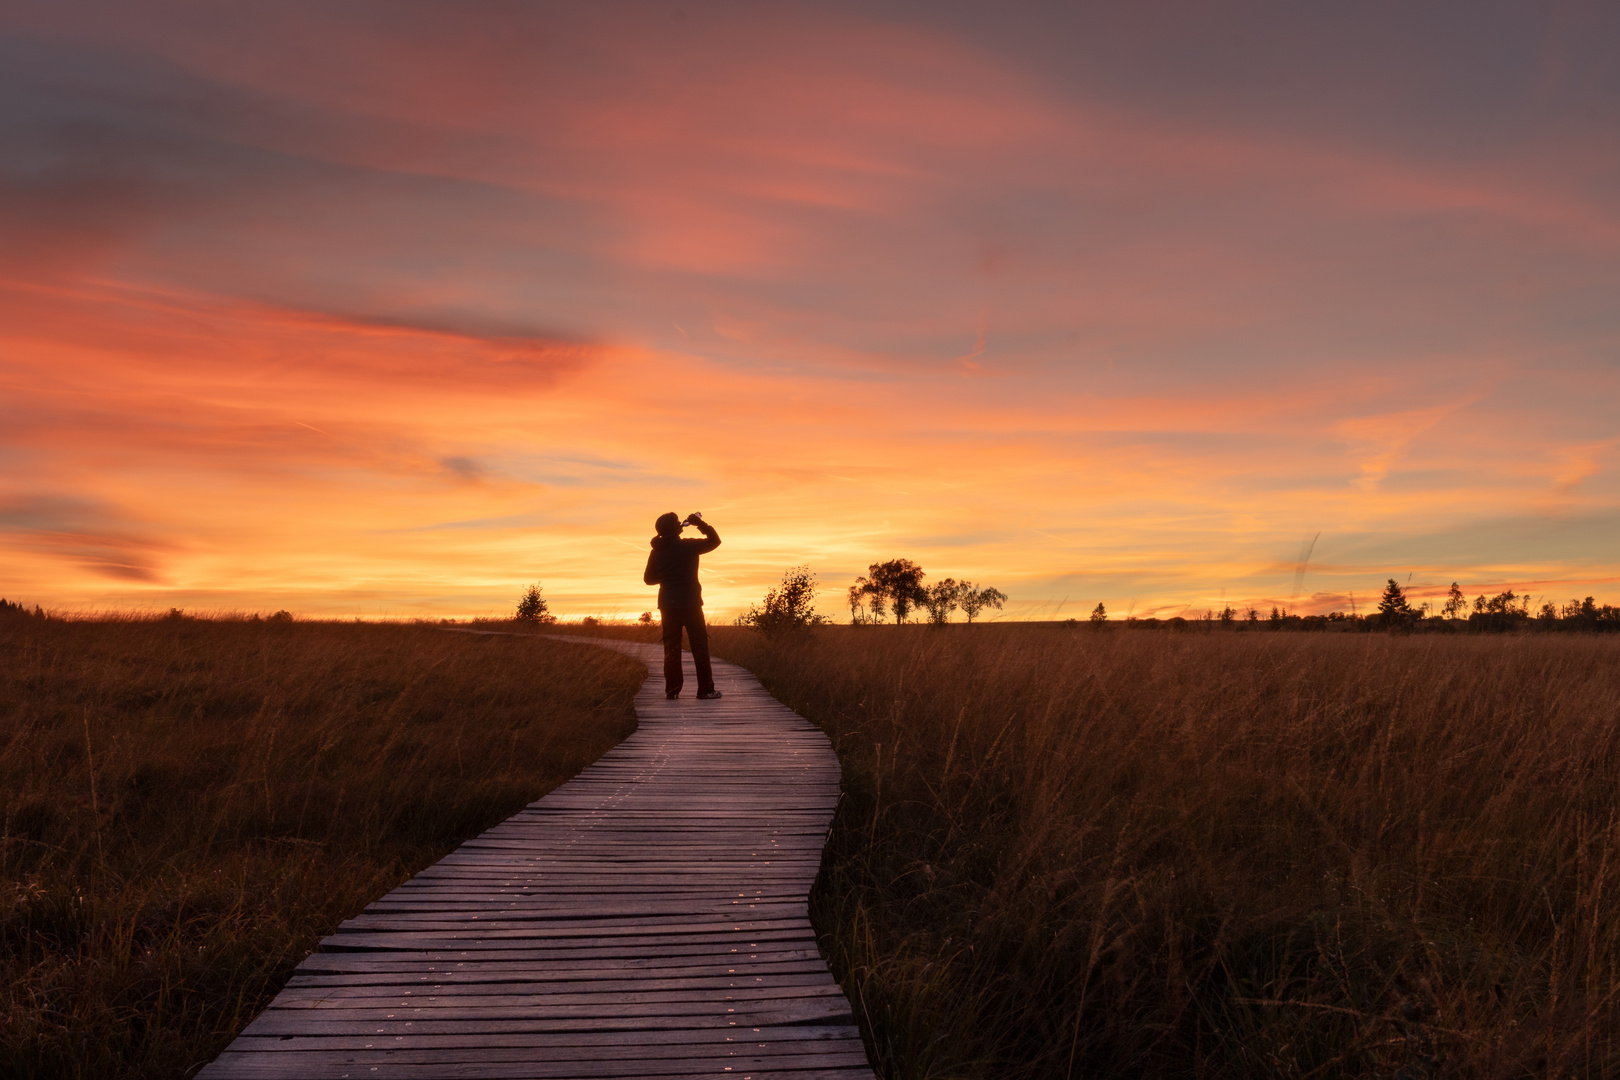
x: 1098, y: 853
x: 1061, y: 852
x: 187, y: 807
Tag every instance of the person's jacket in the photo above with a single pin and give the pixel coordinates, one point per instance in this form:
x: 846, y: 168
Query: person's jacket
x: 673, y: 567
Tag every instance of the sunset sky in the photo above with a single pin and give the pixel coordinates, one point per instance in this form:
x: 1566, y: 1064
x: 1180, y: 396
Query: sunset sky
x: 388, y: 309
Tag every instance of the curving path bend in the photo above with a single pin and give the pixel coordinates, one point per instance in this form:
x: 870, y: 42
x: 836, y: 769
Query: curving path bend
x: 648, y: 918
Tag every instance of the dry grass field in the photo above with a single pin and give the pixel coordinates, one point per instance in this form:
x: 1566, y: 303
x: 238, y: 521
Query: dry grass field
x: 1062, y: 852
x: 1152, y: 854
x: 187, y: 807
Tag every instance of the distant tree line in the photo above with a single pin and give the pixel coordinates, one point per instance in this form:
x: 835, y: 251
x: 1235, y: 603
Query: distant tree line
x: 1505, y: 611
x: 897, y: 586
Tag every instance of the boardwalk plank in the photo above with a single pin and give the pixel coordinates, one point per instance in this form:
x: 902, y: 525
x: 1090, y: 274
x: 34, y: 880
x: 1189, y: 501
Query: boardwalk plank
x: 630, y: 1018
x: 607, y: 1070
x: 647, y: 919
x: 803, y: 1037
x: 521, y: 1064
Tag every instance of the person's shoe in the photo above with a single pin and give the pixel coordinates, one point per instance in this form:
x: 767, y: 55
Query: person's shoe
x: 673, y: 696
x: 712, y: 695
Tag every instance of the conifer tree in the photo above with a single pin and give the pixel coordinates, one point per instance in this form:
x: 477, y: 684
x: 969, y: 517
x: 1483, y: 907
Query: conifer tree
x: 1393, y: 602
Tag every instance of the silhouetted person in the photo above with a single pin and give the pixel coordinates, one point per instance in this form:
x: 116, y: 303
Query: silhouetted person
x: 673, y: 567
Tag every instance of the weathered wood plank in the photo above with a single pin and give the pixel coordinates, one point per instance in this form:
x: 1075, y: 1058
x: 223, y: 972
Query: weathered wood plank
x: 477, y: 940
x: 647, y: 919
x: 436, y: 966
x: 508, y: 1063
x: 535, y: 984
x: 406, y: 1021
x: 586, y: 950
x: 800, y: 1036
x: 606, y: 1070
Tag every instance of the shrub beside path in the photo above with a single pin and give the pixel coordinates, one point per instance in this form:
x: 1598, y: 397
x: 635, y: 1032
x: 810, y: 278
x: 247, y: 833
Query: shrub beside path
x: 649, y: 918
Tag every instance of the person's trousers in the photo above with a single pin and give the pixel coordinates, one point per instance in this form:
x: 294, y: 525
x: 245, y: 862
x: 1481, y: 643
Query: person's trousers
x: 697, y: 633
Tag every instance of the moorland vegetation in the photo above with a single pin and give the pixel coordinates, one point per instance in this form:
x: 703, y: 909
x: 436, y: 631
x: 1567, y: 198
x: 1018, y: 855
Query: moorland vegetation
x: 1502, y: 612
x: 188, y: 806
x: 897, y: 585
x: 1067, y: 853
x: 1062, y: 850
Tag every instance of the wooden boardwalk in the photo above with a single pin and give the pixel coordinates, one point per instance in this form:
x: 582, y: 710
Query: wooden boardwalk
x: 646, y: 919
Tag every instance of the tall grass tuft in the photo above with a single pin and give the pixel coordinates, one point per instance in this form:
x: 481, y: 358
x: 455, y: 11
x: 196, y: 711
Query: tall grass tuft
x: 187, y: 806
x: 1070, y: 853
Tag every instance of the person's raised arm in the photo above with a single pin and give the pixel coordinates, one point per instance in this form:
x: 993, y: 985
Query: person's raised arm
x: 711, y: 538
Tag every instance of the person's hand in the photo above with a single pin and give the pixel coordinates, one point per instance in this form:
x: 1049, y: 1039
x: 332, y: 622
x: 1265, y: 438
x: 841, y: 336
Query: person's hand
x: 693, y: 518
